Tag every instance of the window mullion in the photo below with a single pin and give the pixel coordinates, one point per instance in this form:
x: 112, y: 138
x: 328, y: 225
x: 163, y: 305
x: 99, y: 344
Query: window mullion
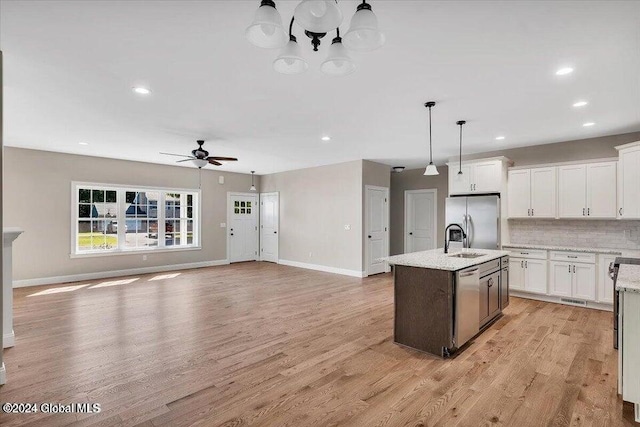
x: 161, y: 219
x: 122, y: 217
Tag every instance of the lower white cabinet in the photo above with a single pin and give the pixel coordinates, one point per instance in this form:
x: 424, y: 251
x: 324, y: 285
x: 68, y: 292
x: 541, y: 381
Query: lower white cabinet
x: 605, y: 283
x: 573, y: 280
x: 529, y: 275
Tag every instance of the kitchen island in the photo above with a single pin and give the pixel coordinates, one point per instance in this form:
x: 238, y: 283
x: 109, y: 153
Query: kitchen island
x: 443, y: 300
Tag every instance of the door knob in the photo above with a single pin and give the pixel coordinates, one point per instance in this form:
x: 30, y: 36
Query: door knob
x: 275, y: 232
x: 411, y: 233
x: 369, y: 236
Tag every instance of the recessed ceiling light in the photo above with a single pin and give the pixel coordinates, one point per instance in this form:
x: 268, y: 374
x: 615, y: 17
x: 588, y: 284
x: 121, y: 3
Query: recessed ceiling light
x: 588, y: 124
x: 499, y: 138
x: 326, y: 138
x: 141, y: 90
x: 580, y: 103
x: 564, y: 71
x: 83, y: 143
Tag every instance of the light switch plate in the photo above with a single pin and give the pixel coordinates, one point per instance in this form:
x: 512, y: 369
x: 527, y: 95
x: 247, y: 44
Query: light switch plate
x: 221, y: 179
x: 347, y: 227
x: 223, y: 225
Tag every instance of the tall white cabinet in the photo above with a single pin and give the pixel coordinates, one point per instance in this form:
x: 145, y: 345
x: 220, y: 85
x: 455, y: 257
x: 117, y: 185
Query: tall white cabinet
x: 629, y: 181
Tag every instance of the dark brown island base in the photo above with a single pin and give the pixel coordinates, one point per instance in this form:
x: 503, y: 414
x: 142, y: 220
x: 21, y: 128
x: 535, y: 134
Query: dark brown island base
x: 444, y: 300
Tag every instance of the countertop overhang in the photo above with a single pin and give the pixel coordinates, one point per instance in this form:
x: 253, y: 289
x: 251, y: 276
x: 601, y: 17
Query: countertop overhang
x: 436, y: 259
x: 628, y: 278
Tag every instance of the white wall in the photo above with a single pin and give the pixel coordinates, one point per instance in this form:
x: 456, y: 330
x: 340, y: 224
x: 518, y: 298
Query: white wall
x: 37, y: 198
x: 315, y: 205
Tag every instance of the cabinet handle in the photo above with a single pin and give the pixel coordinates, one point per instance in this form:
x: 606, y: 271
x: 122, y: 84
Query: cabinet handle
x: 588, y: 211
x: 532, y: 214
x: 528, y: 212
x: 620, y: 211
x: 574, y: 268
x: 569, y: 269
x: 490, y: 282
x: 572, y: 256
x: 521, y: 264
x: 583, y: 212
x: 526, y: 264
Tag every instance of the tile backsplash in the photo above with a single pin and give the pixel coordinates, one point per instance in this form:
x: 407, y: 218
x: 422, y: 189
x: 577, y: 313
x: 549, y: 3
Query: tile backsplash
x: 579, y: 233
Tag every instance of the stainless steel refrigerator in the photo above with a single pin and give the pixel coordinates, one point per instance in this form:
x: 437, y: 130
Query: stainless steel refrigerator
x: 479, y: 216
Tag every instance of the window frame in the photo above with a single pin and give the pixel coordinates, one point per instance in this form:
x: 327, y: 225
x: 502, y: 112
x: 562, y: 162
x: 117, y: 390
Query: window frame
x: 121, y: 216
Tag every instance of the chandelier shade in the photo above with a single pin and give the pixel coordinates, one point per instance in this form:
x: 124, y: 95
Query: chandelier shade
x: 363, y: 34
x: 338, y: 63
x: 290, y: 60
x: 318, y: 16
x: 266, y: 30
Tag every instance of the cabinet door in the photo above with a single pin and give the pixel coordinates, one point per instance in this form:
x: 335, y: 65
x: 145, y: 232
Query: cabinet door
x: 630, y: 184
x: 487, y: 177
x: 572, y: 191
x: 560, y: 278
x: 601, y: 190
x: 459, y: 184
x: 584, y: 281
x: 516, y: 274
x: 535, y: 276
x: 484, y: 300
x: 519, y: 191
x: 494, y: 294
x: 605, y: 284
x: 543, y: 192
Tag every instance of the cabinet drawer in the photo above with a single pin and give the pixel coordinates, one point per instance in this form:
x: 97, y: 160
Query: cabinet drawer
x: 489, y: 266
x: 528, y: 253
x: 574, y: 257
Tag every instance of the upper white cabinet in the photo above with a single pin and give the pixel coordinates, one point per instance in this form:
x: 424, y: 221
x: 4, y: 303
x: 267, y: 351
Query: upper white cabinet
x: 587, y: 191
x: 479, y: 176
x: 532, y: 193
x: 629, y: 181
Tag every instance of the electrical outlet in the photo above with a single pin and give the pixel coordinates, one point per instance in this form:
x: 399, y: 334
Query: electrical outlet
x: 347, y: 227
x: 144, y: 257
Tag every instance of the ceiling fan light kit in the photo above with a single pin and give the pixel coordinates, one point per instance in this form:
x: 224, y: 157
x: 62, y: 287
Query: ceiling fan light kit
x: 200, y: 157
x: 316, y: 18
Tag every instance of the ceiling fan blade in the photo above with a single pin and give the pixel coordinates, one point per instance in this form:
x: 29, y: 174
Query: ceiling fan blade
x: 226, y: 159
x: 178, y: 155
x: 185, y: 160
x: 213, y: 162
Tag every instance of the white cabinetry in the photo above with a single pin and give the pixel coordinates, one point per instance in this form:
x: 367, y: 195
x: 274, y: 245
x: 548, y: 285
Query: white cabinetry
x: 516, y: 274
x: 481, y: 176
x: 605, y: 284
x: 587, y: 191
x: 629, y: 181
x: 573, y: 275
x: 532, y: 193
x: 528, y: 271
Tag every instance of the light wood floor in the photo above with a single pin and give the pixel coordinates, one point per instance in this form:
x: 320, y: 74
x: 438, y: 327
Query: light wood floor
x: 261, y: 344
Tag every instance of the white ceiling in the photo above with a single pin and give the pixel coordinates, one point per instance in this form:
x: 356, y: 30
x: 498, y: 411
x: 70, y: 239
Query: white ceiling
x: 70, y: 67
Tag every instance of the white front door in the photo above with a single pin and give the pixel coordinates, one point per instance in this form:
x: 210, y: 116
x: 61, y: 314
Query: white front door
x: 420, y: 220
x: 269, y: 214
x: 242, y: 229
x: 376, y: 229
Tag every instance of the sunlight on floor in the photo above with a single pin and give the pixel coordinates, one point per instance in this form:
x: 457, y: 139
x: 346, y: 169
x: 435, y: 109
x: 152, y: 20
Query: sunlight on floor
x: 57, y: 290
x: 114, y: 283
x: 165, y: 276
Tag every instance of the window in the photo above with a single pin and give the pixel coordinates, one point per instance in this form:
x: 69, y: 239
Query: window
x: 113, y: 219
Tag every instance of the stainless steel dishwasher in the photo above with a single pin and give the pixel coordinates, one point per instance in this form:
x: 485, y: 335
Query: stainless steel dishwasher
x: 467, y: 308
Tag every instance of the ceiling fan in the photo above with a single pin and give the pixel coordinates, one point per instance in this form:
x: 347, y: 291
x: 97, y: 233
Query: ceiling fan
x: 200, y: 157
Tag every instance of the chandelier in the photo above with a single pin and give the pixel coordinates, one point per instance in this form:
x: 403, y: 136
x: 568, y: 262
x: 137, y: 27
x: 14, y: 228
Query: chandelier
x: 316, y: 18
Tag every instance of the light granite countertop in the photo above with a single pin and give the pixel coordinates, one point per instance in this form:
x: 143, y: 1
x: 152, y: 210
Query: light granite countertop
x: 436, y: 259
x: 628, y: 278
x: 605, y: 251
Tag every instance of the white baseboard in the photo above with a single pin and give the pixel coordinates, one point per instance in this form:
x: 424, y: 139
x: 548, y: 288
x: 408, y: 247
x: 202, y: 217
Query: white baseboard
x: 114, y: 273
x: 3, y: 374
x: 326, y: 269
x: 9, y: 340
x: 555, y: 299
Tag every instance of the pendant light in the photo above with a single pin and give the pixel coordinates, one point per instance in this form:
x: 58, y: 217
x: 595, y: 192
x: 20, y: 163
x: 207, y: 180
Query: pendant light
x: 431, y: 168
x: 266, y: 30
x: 460, y: 123
x: 318, y: 16
x: 290, y: 60
x: 253, y: 187
x: 364, y: 34
x: 338, y: 63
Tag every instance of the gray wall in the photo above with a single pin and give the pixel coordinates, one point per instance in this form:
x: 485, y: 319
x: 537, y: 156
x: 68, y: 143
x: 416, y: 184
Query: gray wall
x: 315, y: 205
x: 37, y: 198
x: 584, y: 149
x: 414, y: 179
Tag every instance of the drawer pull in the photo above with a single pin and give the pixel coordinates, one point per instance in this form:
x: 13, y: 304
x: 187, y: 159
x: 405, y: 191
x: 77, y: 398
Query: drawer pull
x: 572, y: 256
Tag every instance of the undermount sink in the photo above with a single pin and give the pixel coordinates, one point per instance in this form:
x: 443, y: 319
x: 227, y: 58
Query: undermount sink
x: 466, y: 255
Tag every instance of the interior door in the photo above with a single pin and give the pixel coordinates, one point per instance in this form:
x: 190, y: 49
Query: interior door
x: 376, y: 219
x: 601, y: 190
x: 572, y: 193
x: 483, y: 228
x: 269, y: 224
x: 243, y: 227
x: 543, y: 192
x: 519, y: 190
x: 420, y: 220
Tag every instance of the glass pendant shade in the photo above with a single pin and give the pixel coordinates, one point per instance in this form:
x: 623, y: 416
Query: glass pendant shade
x: 253, y: 186
x: 318, y: 16
x: 290, y: 60
x: 200, y: 163
x: 363, y: 34
x: 338, y: 63
x: 266, y: 30
x: 431, y: 170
